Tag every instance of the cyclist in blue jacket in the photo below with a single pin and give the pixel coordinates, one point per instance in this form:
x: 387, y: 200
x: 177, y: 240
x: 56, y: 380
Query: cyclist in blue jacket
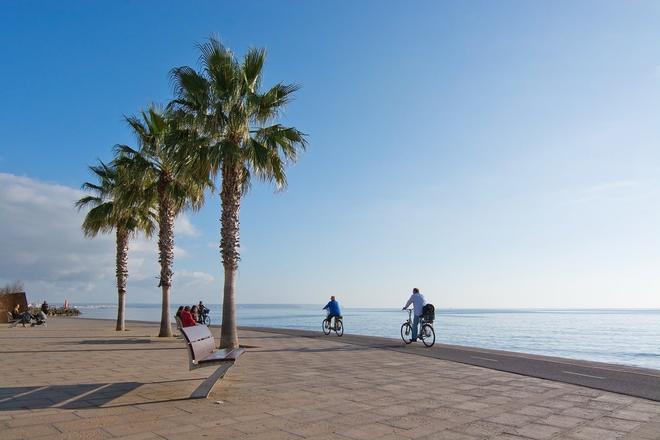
x: 333, y: 309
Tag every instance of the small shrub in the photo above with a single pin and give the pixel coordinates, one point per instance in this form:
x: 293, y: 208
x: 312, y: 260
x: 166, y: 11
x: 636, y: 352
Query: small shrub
x: 15, y: 287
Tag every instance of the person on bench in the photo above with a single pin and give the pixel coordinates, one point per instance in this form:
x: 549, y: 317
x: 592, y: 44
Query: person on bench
x: 187, y: 318
x: 177, y: 318
x: 21, y: 318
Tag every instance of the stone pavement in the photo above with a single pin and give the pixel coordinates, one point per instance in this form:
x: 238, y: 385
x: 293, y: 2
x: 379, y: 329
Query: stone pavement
x: 79, y: 379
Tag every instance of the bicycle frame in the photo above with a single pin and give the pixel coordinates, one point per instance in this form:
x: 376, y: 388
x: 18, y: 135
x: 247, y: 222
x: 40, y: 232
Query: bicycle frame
x: 422, y: 321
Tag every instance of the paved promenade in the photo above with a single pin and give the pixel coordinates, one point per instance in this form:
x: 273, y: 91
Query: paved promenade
x: 79, y: 379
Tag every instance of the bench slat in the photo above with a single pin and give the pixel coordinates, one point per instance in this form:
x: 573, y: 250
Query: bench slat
x: 223, y: 355
x: 200, y: 341
x: 196, y: 332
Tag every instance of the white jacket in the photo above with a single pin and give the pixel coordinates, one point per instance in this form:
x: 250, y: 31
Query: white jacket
x: 418, y: 301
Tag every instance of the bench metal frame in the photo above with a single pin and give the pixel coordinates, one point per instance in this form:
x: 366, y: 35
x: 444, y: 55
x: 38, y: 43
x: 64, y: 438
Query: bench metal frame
x: 201, y: 350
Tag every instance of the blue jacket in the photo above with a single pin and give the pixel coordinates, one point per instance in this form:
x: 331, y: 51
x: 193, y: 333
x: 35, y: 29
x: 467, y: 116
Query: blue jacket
x: 333, y: 308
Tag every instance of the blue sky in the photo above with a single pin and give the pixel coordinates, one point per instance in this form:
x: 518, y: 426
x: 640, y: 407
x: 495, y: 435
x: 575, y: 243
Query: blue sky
x: 493, y: 154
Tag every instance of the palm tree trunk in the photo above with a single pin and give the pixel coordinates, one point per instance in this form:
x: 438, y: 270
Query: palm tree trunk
x: 229, y: 245
x: 166, y: 252
x: 122, y: 275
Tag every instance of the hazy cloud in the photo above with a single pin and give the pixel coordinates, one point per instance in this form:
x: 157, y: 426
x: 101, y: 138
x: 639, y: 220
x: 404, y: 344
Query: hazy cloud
x: 182, y: 226
x: 615, y: 189
x: 42, y: 245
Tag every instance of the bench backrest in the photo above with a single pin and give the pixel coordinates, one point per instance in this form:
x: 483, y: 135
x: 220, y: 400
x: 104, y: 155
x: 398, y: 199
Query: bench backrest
x: 200, y: 341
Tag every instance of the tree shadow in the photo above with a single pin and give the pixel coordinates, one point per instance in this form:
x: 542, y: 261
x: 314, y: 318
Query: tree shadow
x: 314, y: 350
x: 113, y: 341
x: 76, y: 396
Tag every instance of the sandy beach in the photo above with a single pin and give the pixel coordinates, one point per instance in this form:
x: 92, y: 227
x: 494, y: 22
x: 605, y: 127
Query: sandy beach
x: 79, y: 379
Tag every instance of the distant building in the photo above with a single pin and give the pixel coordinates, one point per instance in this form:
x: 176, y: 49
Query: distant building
x: 8, y: 301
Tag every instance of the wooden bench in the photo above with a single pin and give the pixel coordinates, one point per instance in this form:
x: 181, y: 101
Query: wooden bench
x: 202, y: 353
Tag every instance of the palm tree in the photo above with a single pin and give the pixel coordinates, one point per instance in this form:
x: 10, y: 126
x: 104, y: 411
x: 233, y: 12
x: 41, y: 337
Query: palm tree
x: 176, y: 187
x: 106, y: 214
x: 238, y: 139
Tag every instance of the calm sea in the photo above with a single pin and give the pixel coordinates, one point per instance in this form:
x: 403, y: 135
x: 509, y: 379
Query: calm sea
x: 630, y: 337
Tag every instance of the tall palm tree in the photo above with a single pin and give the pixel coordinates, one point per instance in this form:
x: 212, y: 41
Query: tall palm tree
x: 105, y: 215
x: 238, y: 138
x: 176, y: 187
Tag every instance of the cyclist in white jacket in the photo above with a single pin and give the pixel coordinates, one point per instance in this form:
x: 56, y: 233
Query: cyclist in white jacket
x: 418, y: 301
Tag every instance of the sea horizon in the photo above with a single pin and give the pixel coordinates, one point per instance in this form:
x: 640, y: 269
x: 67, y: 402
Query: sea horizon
x: 147, y: 304
x: 626, y: 336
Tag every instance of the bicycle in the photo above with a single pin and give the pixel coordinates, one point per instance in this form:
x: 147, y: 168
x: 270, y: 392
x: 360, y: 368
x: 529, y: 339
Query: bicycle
x: 426, y: 334
x: 338, y: 327
x: 204, y: 317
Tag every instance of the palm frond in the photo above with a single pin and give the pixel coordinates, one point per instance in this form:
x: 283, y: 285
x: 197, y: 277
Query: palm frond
x: 253, y: 64
x: 267, y: 106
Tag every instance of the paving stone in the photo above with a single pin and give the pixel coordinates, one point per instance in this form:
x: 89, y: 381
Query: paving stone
x: 614, y: 424
x: 512, y: 419
x: 584, y: 413
x: 140, y: 436
x: 482, y: 428
x: 539, y: 432
x: 43, y: 419
x: 25, y: 433
x: 92, y: 434
x: 533, y: 410
x: 633, y: 415
x: 562, y: 421
x: 369, y: 431
x: 590, y: 433
x: 289, y: 388
x: 449, y: 435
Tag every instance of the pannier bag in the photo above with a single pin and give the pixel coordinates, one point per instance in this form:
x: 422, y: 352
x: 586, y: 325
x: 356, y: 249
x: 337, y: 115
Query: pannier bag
x: 428, y: 312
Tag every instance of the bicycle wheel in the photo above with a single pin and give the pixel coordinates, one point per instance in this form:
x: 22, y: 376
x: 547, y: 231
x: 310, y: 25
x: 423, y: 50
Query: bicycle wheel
x: 406, y: 332
x: 326, y: 326
x: 428, y: 335
x: 207, y: 320
x: 339, y: 327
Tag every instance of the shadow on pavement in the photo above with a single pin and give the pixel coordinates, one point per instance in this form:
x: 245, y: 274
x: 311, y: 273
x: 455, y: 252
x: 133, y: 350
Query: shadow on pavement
x: 315, y: 350
x: 63, y: 396
x: 114, y: 341
x: 82, y: 350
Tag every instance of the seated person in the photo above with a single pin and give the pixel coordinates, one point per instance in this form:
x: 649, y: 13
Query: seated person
x: 333, y: 309
x: 177, y: 317
x: 45, y: 308
x: 186, y: 318
x: 39, y: 317
x: 22, y: 317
